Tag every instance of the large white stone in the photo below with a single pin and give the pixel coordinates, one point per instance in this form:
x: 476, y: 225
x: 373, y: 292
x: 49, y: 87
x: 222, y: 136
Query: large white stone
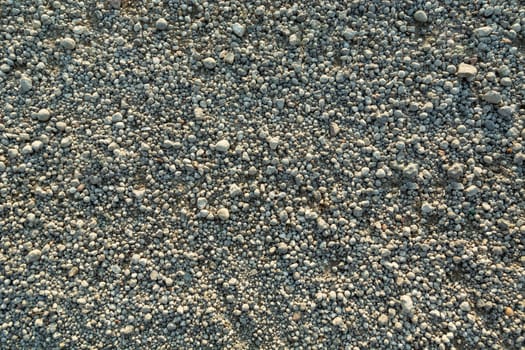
x: 222, y: 146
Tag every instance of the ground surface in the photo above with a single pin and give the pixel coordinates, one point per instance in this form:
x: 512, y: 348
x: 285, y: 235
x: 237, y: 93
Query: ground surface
x: 262, y: 174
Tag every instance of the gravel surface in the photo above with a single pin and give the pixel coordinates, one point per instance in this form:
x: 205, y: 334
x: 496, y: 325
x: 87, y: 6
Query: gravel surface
x: 180, y: 174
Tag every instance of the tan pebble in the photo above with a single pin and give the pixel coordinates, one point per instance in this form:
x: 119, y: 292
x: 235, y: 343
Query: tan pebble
x: 296, y: 316
x: 508, y: 311
x: 73, y: 271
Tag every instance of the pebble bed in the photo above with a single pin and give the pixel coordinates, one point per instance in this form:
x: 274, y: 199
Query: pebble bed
x: 262, y: 174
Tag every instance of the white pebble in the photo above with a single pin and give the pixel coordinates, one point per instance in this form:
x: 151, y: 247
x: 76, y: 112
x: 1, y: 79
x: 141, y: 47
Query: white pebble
x: 338, y: 321
x: 222, y: 146
x: 66, y: 141
x: 406, y: 304
x: 465, y: 306
x: 127, y: 330
x: 37, y: 145
x: 382, y: 320
x: 43, y: 115
x: 202, y: 202
x: 223, y: 214
x: 199, y: 114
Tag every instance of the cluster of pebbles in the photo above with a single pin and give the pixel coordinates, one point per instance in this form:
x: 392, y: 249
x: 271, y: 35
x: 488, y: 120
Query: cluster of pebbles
x: 262, y: 174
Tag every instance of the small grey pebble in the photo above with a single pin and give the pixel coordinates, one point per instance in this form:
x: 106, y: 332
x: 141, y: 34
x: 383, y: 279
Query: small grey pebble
x: 26, y: 83
x: 239, y: 29
x: 161, y: 24
x: 115, y: 4
x: 492, y: 96
x: 420, y: 16
x: 471, y: 191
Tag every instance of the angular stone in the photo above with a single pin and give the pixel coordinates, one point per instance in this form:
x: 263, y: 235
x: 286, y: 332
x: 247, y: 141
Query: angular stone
x: 334, y: 129
x: 471, y: 191
x: 493, y: 97
x: 273, y: 142
x: 483, y: 31
x: 199, y: 114
x: 411, y: 170
x: 407, y: 305
x: 466, y: 71
x: 506, y: 111
x: 239, y: 29
x: 455, y: 171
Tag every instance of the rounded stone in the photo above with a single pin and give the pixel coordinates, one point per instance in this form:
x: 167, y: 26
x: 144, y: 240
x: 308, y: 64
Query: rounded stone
x: 223, y: 214
x: 33, y: 255
x: 382, y: 320
x: 465, y: 306
x: 26, y: 83
x: 161, y: 24
x: 68, y: 43
x: 420, y: 16
x: 209, y: 62
x: 222, y: 146
x: 202, y: 202
x: 43, y: 115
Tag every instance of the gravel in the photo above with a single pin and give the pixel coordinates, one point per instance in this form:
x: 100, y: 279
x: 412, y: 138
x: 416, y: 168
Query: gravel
x: 262, y: 174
